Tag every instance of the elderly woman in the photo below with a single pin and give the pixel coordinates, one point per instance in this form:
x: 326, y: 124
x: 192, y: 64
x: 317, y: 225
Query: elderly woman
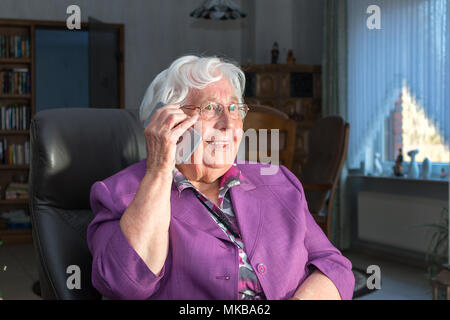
x: 209, y: 228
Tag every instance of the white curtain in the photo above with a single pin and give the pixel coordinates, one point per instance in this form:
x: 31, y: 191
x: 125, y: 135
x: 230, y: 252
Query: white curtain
x: 334, y: 97
x: 411, y: 49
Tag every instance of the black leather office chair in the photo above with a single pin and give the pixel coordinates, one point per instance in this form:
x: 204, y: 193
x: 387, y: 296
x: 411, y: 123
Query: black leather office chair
x: 70, y: 150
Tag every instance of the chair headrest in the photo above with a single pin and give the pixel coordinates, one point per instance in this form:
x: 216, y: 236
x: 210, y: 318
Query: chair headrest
x: 71, y: 148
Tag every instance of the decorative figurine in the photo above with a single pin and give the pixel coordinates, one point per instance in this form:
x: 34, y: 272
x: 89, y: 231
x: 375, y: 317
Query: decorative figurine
x: 290, y: 57
x: 413, y: 171
x: 275, y: 53
x: 426, y: 168
x: 443, y: 174
x: 398, y: 168
x: 377, y: 167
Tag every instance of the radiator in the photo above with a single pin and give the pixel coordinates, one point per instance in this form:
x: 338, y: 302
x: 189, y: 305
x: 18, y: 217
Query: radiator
x: 394, y: 220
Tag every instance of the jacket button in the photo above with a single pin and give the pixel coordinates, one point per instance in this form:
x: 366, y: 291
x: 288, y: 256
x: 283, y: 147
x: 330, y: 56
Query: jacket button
x: 261, y: 268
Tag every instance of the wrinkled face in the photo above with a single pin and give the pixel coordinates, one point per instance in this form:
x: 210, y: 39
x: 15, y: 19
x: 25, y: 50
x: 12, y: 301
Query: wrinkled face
x: 220, y: 137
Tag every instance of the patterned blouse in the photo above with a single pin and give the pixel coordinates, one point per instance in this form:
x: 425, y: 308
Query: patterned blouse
x: 249, y: 287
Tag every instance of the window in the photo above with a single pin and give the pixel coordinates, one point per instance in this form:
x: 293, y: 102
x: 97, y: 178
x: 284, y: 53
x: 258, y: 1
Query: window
x: 409, y: 128
x: 398, y: 87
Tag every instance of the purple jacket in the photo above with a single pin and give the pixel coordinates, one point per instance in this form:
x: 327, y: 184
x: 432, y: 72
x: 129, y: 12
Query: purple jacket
x: 282, y: 241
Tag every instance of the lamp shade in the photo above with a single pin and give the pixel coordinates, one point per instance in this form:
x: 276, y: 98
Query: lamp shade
x: 218, y: 10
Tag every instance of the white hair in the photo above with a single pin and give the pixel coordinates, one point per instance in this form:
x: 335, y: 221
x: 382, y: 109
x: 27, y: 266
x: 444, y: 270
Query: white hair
x: 172, y: 85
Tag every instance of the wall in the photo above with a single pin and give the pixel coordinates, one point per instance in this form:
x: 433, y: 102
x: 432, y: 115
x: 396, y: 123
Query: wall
x: 294, y: 24
x: 158, y: 31
x: 387, y: 229
x: 397, y: 221
x: 307, y: 20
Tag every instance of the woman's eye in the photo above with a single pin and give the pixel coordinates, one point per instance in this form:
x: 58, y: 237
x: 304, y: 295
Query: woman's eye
x: 233, y: 107
x: 209, y: 107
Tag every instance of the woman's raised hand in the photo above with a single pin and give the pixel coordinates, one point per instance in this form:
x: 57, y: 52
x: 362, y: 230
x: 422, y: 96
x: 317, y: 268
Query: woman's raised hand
x: 162, y: 133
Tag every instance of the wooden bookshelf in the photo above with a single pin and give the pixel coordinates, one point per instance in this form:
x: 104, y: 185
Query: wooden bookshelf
x: 14, y: 132
x: 15, y: 96
x: 14, y: 166
x: 16, y: 172
x: 13, y: 201
x: 16, y: 236
x: 15, y: 60
x: 20, y: 173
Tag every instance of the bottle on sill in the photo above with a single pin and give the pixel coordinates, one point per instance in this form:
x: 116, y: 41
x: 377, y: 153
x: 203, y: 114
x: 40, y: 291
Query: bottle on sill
x: 413, y: 171
x: 426, y: 169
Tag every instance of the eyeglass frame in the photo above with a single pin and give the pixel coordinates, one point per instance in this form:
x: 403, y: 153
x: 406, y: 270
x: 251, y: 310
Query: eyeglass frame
x: 195, y: 107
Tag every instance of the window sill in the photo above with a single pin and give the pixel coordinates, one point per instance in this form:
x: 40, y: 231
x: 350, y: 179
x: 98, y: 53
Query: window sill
x: 403, y: 179
x: 434, y: 189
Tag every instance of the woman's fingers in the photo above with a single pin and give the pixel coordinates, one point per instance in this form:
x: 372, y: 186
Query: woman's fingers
x: 182, y: 127
x: 165, y: 109
x: 161, y: 112
x: 171, y: 120
x: 169, y: 123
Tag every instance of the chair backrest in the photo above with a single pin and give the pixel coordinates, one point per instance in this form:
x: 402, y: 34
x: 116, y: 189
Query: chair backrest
x: 327, y: 143
x: 269, y: 118
x: 70, y: 150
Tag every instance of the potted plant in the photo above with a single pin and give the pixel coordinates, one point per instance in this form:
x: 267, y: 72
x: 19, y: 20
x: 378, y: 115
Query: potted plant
x: 437, y: 252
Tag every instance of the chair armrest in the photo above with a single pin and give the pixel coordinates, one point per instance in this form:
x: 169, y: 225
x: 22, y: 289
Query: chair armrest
x: 317, y: 187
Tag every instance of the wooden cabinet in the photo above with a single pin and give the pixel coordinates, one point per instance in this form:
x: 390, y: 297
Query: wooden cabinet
x: 293, y: 89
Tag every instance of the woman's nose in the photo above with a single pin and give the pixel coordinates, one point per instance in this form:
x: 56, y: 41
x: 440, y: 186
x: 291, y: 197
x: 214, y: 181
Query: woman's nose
x: 225, y: 121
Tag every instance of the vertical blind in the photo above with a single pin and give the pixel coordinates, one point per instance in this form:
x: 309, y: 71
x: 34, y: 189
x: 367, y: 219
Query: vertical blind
x: 411, y: 49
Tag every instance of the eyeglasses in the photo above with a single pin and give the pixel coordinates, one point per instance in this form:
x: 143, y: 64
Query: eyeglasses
x: 213, y: 110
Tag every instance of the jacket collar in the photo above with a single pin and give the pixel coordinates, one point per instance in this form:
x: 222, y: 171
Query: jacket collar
x: 186, y: 208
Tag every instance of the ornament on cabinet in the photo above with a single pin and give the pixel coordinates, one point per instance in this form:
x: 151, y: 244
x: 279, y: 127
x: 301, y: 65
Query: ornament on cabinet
x: 290, y: 57
x: 275, y: 53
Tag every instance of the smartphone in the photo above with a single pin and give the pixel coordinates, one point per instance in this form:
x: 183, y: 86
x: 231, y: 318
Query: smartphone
x: 188, y: 142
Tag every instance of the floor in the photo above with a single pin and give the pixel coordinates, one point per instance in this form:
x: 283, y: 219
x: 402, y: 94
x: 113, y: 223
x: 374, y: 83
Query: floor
x: 18, y: 272
x: 398, y: 281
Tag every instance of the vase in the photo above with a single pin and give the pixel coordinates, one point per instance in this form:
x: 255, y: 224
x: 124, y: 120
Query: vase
x: 377, y: 166
x: 413, y: 172
x: 426, y: 168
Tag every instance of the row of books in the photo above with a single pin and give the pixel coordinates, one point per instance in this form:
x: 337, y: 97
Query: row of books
x: 16, y: 190
x: 15, y: 81
x: 12, y: 46
x: 15, y: 219
x: 14, y: 154
x: 14, y: 117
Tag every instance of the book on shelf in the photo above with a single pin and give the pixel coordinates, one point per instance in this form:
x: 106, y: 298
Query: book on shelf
x: 16, y: 190
x: 18, y: 186
x: 14, y: 116
x: 15, y: 81
x: 3, y: 223
x: 14, y: 154
x: 14, y: 46
x: 27, y: 152
x: 15, y: 195
x: 16, y: 219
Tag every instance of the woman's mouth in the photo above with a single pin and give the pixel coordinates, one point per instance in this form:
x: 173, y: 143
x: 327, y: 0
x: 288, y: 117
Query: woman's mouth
x: 219, y: 144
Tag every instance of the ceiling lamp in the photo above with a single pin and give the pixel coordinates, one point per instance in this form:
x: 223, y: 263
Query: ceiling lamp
x: 218, y: 10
